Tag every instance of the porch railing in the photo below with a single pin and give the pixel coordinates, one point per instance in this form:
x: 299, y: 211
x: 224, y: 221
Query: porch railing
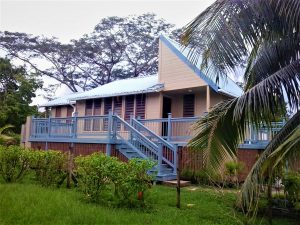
x: 99, y: 128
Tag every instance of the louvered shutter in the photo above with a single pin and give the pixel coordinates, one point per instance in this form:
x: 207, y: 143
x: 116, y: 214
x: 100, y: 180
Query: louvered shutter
x: 140, y: 106
x: 129, y: 106
x: 188, y: 105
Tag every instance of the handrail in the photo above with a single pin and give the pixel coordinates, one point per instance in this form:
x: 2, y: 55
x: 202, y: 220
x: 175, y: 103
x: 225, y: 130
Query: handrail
x: 152, y: 145
x: 163, y: 141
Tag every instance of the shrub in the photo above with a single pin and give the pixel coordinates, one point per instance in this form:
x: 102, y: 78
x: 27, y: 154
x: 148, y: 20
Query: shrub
x: 291, y: 184
x: 202, y: 176
x: 101, y: 176
x: 50, y: 166
x: 232, y: 170
x: 95, y: 173
x: 14, y: 162
x: 135, y: 181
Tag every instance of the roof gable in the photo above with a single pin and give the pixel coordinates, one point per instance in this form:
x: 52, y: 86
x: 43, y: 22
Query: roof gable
x: 225, y: 86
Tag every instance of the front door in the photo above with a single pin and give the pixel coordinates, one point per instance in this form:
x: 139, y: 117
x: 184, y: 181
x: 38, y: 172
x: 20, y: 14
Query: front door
x: 167, y: 103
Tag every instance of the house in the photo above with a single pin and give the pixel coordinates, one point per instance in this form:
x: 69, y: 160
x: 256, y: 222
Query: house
x: 144, y: 117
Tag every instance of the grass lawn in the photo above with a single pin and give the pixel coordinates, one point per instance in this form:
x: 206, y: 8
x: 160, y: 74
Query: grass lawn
x: 33, y: 204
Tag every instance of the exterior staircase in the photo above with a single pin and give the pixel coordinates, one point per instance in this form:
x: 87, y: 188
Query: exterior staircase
x: 137, y: 141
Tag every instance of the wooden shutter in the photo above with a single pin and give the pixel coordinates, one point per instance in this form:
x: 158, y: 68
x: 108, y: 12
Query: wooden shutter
x: 129, y: 106
x: 118, y: 105
x: 140, y: 106
x: 188, y: 105
x: 69, y: 111
x: 58, y: 111
x: 107, y: 105
x: 97, y: 107
x: 89, y: 107
x: 97, y: 112
x: 88, y: 112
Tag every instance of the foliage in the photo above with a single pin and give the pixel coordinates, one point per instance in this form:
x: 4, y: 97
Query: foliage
x: 14, y: 162
x: 8, y: 138
x: 202, y: 176
x: 134, y: 180
x: 101, y: 176
x: 50, y: 166
x: 291, y: 184
x: 16, y: 90
x: 94, y: 172
x: 232, y: 170
x: 119, y: 47
x: 262, y: 36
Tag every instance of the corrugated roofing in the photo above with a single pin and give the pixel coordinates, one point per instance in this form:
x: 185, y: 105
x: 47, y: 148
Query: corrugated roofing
x: 64, y: 100
x: 123, y: 87
x: 225, y: 86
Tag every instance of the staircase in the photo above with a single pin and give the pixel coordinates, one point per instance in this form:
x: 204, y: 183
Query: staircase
x: 137, y: 141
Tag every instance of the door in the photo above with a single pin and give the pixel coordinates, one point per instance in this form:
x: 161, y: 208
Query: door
x: 167, y: 103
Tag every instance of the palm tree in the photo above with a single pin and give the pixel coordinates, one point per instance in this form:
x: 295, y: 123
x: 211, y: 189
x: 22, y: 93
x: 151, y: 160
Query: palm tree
x: 4, y: 138
x: 263, y: 36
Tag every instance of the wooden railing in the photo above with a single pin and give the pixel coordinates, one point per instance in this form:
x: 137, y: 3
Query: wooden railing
x: 100, y: 129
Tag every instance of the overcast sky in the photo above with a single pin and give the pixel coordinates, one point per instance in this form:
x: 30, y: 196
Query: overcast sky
x: 70, y: 19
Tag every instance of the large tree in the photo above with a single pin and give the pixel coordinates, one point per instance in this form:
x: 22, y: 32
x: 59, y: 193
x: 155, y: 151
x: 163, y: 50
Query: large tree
x: 119, y: 47
x: 17, y: 88
x: 264, y: 37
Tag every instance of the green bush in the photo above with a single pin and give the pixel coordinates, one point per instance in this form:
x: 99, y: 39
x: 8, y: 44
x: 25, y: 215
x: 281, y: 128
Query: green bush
x: 203, y: 176
x: 95, y: 173
x: 232, y: 170
x: 14, y: 162
x: 50, y: 166
x: 135, y: 181
x: 101, y: 177
x: 291, y: 184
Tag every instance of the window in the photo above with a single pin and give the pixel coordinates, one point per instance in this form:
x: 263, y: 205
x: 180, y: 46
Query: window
x: 107, y: 108
x: 96, y: 112
x: 88, y: 112
x: 118, y: 105
x: 188, y: 105
x: 129, y: 106
x: 140, y: 106
x: 58, y: 111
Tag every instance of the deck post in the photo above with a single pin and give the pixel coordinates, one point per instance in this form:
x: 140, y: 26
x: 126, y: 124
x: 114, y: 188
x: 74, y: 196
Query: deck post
x: 109, y: 136
x: 74, y: 125
x: 169, y: 133
x: 159, y: 158
x: 175, y: 158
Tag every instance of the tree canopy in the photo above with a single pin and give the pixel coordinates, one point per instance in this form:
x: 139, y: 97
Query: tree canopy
x: 119, y: 47
x: 17, y: 88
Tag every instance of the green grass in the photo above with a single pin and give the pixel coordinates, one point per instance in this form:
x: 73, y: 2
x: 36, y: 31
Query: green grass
x: 33, y: 204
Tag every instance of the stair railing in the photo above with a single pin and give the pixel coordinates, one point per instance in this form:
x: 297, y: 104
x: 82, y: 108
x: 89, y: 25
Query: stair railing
x: 142, y: 144
x: 168, y: 150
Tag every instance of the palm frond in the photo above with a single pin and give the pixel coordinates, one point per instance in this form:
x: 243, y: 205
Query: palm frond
x: 230, y: 29
x: 288, y: 137
x: 4, y: 128
x: 266, y: 58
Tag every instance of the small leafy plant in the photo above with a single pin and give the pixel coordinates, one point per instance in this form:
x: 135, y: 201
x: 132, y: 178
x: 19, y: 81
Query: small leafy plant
x: 14, y: 162
x: 291, y: 184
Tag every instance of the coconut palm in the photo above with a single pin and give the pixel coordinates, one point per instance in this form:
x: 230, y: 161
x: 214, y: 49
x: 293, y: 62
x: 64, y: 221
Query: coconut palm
x: 263, y: 36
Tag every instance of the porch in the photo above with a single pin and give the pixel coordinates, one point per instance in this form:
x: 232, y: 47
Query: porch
x: 155, y: 139
x: 105, y: 129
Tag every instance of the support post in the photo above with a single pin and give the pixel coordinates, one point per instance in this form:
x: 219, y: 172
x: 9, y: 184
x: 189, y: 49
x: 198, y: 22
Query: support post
x: 75, y: 125
x: 179, y: 156
x: 159, y: 158
x: 169, y: 127
x: 175, y: 158
x: 109, y: 136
